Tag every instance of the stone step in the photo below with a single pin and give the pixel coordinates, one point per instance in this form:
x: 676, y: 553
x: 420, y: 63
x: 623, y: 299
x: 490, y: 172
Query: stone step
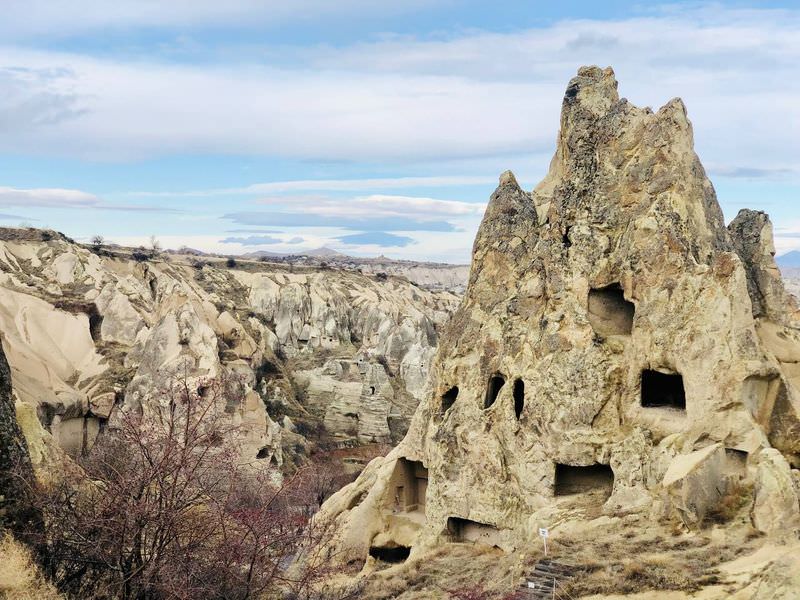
x: 538, y: 572
x: 554, y: 566
x: 545, y: 574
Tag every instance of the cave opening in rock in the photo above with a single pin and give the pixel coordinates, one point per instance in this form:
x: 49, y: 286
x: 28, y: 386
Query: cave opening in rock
x: 736, y: 460
x: 496, y: 382
x: 95, y: 325
x: 609, y: 312
x: 663, y: 390
x: 466, y: 530
x: 449, y: 398
x: 390, y: 554
x: 577, y: 480
x: 266, y: 370
x: 519, y: 397
x: 408, y: 486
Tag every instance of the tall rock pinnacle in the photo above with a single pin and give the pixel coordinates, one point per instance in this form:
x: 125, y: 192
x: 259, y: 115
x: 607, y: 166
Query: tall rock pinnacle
x: 615, y: 339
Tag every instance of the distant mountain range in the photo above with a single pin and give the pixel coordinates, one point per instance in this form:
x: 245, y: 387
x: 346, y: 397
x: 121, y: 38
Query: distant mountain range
x: 789, y: 260
x: 319, y: 252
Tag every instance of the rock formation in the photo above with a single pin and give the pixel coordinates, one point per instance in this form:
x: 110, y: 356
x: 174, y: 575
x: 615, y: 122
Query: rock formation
x: 618, y: 348
x: 428, y: 275
x: 90, y: 331
x: 16, y: 470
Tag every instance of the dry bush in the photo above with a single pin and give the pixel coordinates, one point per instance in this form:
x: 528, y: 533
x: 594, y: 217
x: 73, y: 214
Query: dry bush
x: 20, y: 578
x: 450, y: 571
x: 173, y: 513
x: 730, y: 505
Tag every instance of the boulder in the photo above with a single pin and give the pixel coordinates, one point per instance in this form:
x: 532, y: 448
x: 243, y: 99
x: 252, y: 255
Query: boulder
x: 776, y: 508
x: 693, y: 482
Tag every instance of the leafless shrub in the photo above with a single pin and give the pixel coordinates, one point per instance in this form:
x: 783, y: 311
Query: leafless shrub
x: 171, y: 511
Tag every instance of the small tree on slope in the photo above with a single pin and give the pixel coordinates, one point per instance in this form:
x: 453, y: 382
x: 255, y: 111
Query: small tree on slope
x: 171, y: 512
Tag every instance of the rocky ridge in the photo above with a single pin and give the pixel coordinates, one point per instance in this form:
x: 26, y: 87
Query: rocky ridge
x: 88, y: 331
x: 428, y: 275
x: 621, y: 361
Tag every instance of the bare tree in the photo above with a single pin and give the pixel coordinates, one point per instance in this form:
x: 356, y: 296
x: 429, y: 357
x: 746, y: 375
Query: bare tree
x: 155, y: 246
x: 171, y: 511
x: 97, y: 242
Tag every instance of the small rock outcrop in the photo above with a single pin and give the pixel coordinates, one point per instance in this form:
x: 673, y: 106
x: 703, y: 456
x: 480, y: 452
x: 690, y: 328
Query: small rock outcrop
x: 16, y: 470
x: 618, y: 348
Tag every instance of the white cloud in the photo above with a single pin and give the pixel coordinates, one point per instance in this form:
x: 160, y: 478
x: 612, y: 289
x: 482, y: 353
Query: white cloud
x: 454, y: 247
x: 331, y: 185
x: 47, y: 197
x: 134, y: 110
x: 66, y: 198
x: 473, y: 95
x: 379, y: 205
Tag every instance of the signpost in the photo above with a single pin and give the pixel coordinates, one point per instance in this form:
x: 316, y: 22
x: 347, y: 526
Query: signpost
x: 544, y: 534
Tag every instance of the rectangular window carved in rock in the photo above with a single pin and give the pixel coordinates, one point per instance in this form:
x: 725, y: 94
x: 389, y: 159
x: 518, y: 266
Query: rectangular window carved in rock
x: 609, y: 312
x: 465, y: 530
x: 578, y: 480
x: 663, y: 390
x: 409, y: 486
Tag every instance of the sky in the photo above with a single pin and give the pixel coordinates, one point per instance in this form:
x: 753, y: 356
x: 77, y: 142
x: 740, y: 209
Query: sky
x: 368, y: 127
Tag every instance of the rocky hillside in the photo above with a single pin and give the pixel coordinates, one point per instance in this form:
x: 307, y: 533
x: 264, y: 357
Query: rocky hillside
x: 428, y: 275
x: 791, y: 276
x: 89, y: 331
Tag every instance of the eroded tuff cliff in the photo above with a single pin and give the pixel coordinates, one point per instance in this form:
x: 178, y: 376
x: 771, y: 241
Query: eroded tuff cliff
x: 619, y: 351
x: 16, y: 470
x: 88, y: 331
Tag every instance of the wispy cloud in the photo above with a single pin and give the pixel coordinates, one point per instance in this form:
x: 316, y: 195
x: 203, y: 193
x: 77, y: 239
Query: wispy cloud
x: 750, y: 172
x: 9, y: 217
x: 459, y: 101
x: 381, y: 205
x: 254, y: 240
x: 35, y: 98
x: 362, y: 223
x: 376, y: 213
x: 466, y: 95
x: 67, y: 198
x: 263, y: 240
x: 258, y: 231
x: 328, y: 185
x: 376, y: 238
x: 47, y: 197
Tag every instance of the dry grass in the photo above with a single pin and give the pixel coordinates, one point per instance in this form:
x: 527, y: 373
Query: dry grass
x: 629, y: 555
x: 639, y: 559
x: 20, y: 578
x: 623, y: 558
x: 441, y: 572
